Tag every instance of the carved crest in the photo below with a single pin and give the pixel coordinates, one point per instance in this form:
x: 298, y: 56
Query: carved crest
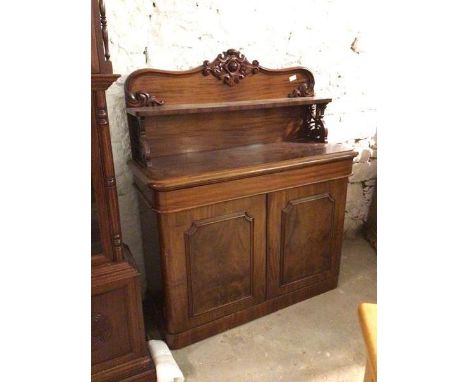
x: 230, y: 67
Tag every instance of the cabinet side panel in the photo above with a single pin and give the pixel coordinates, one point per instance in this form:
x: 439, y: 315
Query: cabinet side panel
x: 151, y: 249
x: 338, y: 188
x: 110, y: 334
x: 118, y: 334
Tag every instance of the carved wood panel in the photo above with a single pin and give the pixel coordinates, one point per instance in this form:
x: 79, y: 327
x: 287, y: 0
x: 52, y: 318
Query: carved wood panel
x: 118, y: 346
x: 219, y: 255
x: 213, y: 261
x: 229, y: 77
x: 230, y: 67
x: 110, y: 336
x: 304, y: 235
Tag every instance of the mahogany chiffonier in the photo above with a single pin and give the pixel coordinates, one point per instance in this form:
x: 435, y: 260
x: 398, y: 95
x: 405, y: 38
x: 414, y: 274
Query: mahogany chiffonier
x: 242, y: 198
x: 118, y: 345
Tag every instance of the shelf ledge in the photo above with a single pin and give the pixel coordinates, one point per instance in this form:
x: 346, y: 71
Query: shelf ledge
x: 152, y: 111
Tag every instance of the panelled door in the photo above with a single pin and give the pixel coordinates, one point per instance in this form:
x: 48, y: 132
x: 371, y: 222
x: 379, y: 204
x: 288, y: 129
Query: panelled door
x: 218, y: 261
x: 305, y: 227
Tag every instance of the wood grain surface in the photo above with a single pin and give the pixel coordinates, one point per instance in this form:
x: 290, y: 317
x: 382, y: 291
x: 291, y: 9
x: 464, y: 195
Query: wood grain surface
x: 195, y: 108
x: 241, y: 199
x: 204, y: 167
x: 118, y: 342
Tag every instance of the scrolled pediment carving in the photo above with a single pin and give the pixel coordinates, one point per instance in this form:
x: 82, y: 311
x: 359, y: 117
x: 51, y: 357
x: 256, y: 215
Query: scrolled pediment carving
x: 141, y: 99
x: 230, y: 67
x: 303, y: 90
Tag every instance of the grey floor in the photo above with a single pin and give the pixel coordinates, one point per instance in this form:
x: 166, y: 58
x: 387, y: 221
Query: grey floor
x: 315, y: 340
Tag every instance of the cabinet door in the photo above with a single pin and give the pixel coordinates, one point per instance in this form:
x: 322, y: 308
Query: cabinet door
x: 117, y: 331
x: 214, y: 261
x: 305, y: 226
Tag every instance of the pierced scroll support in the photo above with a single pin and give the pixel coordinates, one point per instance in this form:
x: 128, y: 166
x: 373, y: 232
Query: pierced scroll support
x: 141, y: 151
x: 314, y: 126
x: 141, y: 99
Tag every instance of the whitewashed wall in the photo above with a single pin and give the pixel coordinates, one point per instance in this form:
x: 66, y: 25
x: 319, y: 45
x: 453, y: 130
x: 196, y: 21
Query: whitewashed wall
x: 181, y: 34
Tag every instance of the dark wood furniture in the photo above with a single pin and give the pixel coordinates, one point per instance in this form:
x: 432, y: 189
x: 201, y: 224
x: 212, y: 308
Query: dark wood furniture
x: 242, y: 198
x: 118, y: 346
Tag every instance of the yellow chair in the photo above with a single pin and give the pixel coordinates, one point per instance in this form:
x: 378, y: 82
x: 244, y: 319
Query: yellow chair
x: 368, y: 320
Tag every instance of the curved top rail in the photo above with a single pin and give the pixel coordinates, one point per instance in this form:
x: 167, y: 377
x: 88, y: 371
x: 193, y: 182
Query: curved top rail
x: 229, y: 77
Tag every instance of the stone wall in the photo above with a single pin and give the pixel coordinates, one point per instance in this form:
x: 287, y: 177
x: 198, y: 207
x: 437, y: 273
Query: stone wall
x: 329, y: 37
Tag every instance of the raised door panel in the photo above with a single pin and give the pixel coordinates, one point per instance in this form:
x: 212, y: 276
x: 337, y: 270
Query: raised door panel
x: 215, y: 263
x: 304, y: 235
x: 306, y: 228
x: 219, y: 255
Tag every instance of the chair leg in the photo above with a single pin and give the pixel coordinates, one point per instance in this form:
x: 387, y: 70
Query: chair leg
x: 368, y: 374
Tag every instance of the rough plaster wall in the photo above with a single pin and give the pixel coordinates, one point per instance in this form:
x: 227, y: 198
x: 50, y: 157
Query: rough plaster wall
x: 329, y: 37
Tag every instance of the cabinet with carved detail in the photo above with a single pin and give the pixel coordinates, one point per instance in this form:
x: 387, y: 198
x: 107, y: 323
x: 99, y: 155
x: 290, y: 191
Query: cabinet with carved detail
x: 242, y: 199
x: 219, y: 250
x: 305, y: 227
x: 118, y: 344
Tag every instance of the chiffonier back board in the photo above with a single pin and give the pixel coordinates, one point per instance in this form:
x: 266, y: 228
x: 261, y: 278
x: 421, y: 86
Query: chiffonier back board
x: 242, y: 198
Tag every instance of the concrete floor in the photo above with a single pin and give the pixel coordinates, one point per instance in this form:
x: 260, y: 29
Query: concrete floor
x: 315, y: 340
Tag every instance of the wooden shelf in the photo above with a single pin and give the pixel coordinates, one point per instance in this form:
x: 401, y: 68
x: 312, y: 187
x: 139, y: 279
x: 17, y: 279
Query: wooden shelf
x: 194, y: 108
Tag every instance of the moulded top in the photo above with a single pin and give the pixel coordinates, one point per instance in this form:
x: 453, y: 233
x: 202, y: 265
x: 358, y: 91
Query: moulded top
x: 198, y: 168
